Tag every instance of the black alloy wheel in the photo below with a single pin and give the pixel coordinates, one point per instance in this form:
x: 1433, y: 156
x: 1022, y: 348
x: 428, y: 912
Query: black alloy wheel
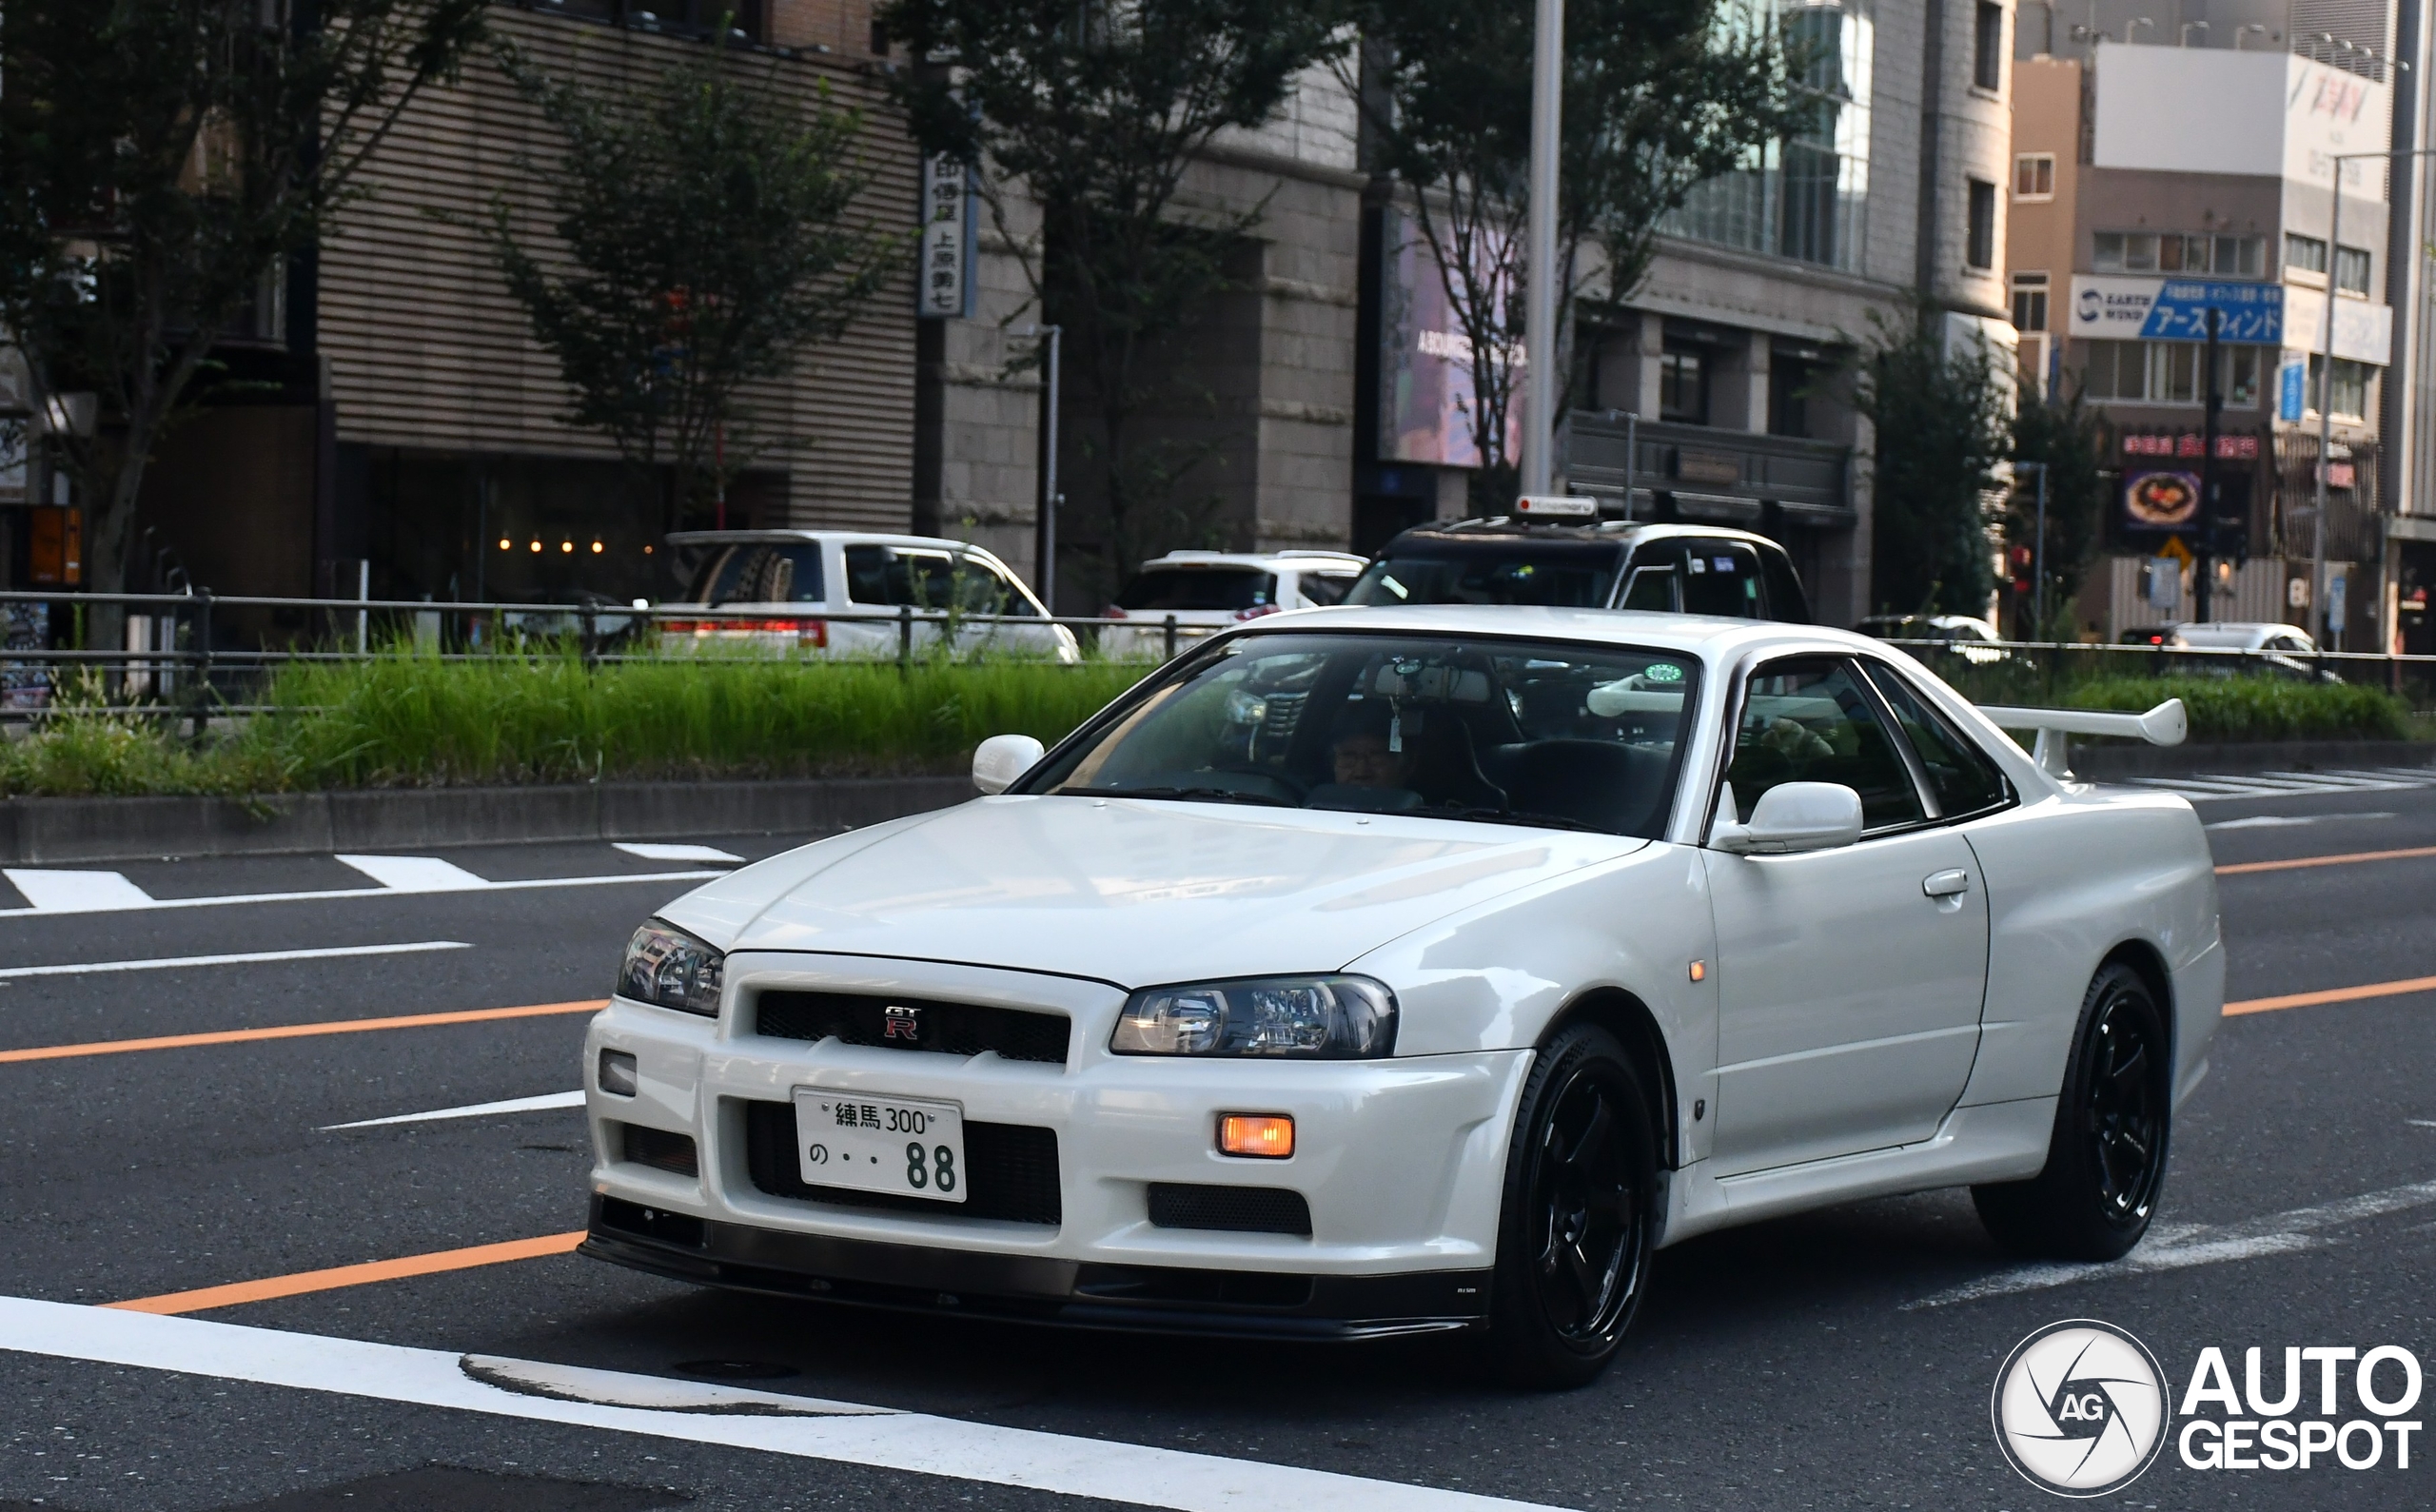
x: 1575, y: 1239
x: 2106, y: 1158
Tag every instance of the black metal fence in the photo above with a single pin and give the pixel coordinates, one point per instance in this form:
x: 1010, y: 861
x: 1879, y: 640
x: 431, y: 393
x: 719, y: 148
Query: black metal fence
x: 176, y: 655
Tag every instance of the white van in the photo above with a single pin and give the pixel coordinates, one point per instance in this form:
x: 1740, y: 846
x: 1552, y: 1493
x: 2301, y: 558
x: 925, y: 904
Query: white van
x: 1210, y: 591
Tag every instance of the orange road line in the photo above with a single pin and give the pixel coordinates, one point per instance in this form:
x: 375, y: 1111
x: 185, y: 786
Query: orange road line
x: 2335, y: 994
x: 305, y: 1281
x: 2240, y: 867
x: 343, y: 1026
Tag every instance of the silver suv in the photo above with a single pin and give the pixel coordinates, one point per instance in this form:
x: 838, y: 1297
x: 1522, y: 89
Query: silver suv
x: 1615, y: 564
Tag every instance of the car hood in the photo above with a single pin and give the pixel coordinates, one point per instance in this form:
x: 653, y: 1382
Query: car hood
x: 1128, y: 891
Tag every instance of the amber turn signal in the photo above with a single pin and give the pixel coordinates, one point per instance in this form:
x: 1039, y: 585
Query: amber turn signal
x: 1264, y: 1136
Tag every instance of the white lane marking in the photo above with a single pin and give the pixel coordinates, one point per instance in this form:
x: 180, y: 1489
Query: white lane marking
x: 167, y: 963
x: 652, y: 852
x: 75, y: 892
x: 2204, y: 787
x: 512, y: 1105
x: 2277, y: 821
x: 527, y: 885
x: 2198, y: 1245
x: 2421, y: 1123
x: 416, y: 873
x: 811, y: 1429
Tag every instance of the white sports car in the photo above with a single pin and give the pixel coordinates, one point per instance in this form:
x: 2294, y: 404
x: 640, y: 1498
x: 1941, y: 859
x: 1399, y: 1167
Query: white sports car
x: 1378, y: 971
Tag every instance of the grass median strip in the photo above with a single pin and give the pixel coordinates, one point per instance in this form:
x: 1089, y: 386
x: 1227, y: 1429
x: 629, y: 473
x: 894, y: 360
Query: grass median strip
x: 341, y: 1026
x: 236, y: 1293
x: 2297, y: 862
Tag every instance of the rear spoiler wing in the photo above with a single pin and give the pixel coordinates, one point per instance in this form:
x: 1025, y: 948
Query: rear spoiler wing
x: 2166, y: 724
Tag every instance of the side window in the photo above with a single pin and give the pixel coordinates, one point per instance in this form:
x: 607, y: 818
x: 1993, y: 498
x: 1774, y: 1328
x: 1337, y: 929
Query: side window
x: 867, y: 575
x: 1964, y: 781
x: 1807, y: 720
x: 1007, y: 598
x: 1651, y: 588
x: 1786, y: 602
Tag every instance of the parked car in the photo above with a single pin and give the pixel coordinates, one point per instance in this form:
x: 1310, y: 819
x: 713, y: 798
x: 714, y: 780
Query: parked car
x: 786, y: 573
x: 1391, y: 971
x: 1611, y: 564
x: 2274, y: 650
x: 1210, y: 591
x: 1974, y: 640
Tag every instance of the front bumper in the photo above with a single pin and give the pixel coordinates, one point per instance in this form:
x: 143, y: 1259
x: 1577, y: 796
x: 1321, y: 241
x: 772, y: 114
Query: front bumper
x: 1400, y: 1163
x: 1024, y: 1289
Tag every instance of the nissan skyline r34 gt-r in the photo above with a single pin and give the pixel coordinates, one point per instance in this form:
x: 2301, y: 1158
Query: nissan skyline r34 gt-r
x: 1373, y: 972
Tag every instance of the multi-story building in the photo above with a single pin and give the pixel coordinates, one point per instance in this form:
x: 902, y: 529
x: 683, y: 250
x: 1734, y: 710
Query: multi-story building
x: 1733, y: 353
x: 2156, y: 180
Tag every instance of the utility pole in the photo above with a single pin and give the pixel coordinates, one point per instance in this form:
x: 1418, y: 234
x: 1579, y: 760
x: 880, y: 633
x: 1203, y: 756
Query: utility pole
x: 1044, y: 536
x: 1540, y: 269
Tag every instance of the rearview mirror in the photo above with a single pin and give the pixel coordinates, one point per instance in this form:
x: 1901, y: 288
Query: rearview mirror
x: 1791, y: 817
x: 1000, y: 759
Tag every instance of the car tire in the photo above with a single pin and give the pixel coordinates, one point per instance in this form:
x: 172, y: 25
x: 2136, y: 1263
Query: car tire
x: 1576, y: 1232
x: 2106, y: 1160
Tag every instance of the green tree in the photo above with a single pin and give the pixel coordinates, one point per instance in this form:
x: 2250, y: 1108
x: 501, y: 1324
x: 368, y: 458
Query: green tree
x: 1941, y: 411
x: 1658, y: 96
x: 2069, y: 437
x: 159, y: 159
x: 705, y: 237
x: 1095, y: 111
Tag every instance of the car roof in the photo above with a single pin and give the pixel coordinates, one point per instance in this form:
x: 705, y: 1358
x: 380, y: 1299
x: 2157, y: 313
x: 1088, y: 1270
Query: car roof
x: 1509, y: 527
x: 2234, y: 630
x: 851, y: 537
x: 1714, y: 638
x: 1293, y: 558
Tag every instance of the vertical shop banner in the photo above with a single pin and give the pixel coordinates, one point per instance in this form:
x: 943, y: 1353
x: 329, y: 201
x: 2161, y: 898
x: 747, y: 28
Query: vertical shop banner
x: 1426, y: 392
x: 946, y: 272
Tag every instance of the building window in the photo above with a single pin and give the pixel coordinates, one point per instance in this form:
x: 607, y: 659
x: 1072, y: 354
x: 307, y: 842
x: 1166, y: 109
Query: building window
x: 2029, y: 302
x: 2351, y: 397
x: 2035, y: 176
x: 1987, y: 48
x: 2351, y: 270
x: 2172, y: 252
x: 2305, y: 254
x: 1683, y: 385
x: 2168, y: 372
x: 693, y: 18
x: 1806, y: 197
x: 1980, y: 245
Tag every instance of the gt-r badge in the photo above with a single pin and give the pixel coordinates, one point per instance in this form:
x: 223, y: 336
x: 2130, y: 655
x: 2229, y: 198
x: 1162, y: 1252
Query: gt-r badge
x: 903, y: 1023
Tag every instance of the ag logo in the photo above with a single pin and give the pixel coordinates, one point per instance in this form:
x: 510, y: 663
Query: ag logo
x: 2080, y: 1408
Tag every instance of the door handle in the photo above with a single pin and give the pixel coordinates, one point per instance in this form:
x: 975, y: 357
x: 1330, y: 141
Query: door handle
x: 1946, y: 884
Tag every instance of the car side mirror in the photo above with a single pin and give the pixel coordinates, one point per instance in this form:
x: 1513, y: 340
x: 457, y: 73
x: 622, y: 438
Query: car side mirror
x: 1000, y: 759
x: 1791, y: 817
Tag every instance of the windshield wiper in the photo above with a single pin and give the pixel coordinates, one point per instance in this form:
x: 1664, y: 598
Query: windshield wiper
x: 1546, y: 821
x: 1211, y: 794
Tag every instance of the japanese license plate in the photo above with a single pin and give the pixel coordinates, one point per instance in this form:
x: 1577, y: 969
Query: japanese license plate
x: 880, y: 1144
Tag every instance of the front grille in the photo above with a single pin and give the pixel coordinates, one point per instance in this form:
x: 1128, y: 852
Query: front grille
x: 658, y: 1149
x: 1238, y: 1210
x: 1009, y: 1171
x: 949, y: 1028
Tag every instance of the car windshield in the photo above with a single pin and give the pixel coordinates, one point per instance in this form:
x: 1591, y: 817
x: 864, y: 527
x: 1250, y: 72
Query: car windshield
x: 1166, y: 588
x: 1575, y: 579
x: 1556, y: 735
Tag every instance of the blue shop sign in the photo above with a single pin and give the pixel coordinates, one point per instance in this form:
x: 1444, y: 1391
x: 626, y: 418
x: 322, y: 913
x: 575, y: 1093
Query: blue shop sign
x: 2252, y: 313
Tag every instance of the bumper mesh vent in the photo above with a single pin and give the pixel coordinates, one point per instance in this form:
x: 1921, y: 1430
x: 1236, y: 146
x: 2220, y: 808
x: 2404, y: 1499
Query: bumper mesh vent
x: 1237, y: 1210
x: 657, y: 1149
x: 948, y: 1028
x: 1009, y: 1171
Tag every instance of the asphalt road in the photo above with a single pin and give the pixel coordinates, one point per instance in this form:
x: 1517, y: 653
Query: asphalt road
x: 1839, y: 1360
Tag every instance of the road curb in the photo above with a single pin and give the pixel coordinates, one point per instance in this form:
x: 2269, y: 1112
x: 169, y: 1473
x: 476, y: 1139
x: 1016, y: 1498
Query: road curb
x: 38, y: 830
x: 2106, y: 762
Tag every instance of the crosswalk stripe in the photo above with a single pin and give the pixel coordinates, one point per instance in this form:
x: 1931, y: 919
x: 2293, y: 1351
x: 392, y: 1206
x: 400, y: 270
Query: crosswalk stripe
x: 2201, y: 787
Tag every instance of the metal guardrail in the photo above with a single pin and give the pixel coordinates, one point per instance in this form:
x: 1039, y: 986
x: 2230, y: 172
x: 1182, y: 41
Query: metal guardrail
x: 175, y: 668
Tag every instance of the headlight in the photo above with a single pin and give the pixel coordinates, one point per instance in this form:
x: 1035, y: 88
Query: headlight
x: 1315, y: 1017
x: 671, y: 968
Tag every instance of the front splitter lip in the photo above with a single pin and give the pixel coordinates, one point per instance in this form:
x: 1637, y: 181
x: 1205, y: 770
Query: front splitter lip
x: 1028, y: 1289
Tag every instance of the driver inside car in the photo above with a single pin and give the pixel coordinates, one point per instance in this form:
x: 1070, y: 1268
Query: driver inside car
x: 1368, y: 766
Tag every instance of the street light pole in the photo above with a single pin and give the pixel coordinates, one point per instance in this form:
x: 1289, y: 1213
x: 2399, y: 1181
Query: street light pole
x: 1540, y: 269
x: 2038, y: 553
x: 1044, y: 536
